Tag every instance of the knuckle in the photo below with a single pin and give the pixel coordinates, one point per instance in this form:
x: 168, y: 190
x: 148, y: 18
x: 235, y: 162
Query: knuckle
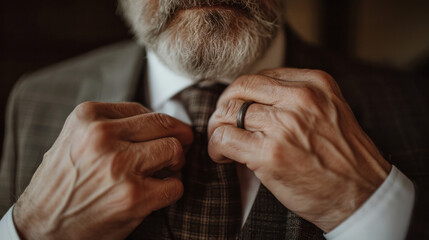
x: 306, y: 96
x: 308, y: 99
x: 272, y: 73
x: 324, y: 79
x: 174, y: 145
x: 86, y: 110
x: 245, y: 82
x: 311, y: 100
x: 242, y: 80
x: 230, y: 109
x: 173, y: 191
x: 321, y: 75
x: 164, y: 121
x: 47, y: 154
x: 139, y: 107
x: 100, y: 134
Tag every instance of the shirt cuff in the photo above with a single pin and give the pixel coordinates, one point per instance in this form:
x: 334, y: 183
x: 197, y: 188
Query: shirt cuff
x: 384, y: 216
x: 7, y: 227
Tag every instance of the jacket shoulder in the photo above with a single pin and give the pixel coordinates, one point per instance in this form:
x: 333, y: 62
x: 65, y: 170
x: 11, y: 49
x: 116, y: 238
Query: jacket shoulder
x: 74, y: 72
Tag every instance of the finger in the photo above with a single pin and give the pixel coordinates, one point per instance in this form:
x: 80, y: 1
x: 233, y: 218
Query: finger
x: 162, y: 192
x: 281, y: 96
x: 286, y: 74
x: 257, y: 117
x: 152, y: 126
x: 280, y: 86
x: 123, y: 110
x: 153, y: 156
x: 261, y: 89
x: 317, y: 78
x: 235, y: 144
x: 99, y: 110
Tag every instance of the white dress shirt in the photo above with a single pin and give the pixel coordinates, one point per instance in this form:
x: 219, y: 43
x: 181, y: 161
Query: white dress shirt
x: 384, y: 216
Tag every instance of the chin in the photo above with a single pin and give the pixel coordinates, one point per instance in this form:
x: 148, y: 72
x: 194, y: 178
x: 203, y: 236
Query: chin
x: 212, y: 42
x: 216, y: 41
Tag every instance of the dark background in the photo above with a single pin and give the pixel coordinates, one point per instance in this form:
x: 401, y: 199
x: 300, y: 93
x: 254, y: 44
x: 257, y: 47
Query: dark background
x: 34, y: 34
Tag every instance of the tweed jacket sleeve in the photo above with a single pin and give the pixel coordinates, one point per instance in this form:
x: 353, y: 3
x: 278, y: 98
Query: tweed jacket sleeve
x: 392, y: 108
x: 40, y: 103
x: 7, y: 167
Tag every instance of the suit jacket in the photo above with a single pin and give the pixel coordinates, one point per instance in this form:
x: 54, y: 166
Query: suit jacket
x: 391, y: 107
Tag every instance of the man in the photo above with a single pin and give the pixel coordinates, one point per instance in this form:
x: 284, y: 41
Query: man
x: 295, y: 159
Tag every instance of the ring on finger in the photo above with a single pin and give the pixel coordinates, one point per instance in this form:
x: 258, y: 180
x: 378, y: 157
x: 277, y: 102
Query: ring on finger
x: 242, y: 114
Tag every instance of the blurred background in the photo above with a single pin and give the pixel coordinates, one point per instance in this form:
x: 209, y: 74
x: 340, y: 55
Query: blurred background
x: 34, y: 34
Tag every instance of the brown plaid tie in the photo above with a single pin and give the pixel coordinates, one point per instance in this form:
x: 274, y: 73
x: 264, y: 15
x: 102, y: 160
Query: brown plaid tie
x: 211, y: 205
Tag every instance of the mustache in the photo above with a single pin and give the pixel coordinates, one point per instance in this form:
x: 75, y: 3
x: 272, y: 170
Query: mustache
x: 251, y: 7
x: 160, y: 14
x: 259, y: 10
x: 168, y: 8
x: 173, y: 5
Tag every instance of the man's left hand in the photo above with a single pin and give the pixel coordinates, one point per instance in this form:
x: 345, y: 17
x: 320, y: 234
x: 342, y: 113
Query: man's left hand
x: 301, y: 140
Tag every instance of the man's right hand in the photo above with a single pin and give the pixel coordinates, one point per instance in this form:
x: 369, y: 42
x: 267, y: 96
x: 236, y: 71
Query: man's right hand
x: 97, y: 181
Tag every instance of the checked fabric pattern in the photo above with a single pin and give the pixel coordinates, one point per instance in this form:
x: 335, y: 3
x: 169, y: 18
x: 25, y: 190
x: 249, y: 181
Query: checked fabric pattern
x: 211, y: 205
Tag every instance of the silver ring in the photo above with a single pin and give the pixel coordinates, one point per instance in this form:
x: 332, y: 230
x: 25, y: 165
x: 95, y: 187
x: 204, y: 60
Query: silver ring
x: 242, y: 113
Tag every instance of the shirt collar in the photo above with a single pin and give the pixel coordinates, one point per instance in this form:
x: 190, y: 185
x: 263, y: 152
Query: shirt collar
x: 163, y: 83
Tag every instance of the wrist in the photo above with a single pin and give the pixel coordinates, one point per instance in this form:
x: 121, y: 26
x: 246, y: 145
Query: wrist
x: 27, y: 222
x: 342, y: 208
x: 352, y: 196
x: 19, y: 223
x: 375, y: 218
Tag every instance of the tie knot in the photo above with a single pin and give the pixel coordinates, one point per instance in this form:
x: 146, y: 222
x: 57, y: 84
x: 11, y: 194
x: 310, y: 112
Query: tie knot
x: 200, y: 103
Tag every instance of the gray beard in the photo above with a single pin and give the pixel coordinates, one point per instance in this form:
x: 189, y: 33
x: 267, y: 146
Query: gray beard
x: 209, y: 43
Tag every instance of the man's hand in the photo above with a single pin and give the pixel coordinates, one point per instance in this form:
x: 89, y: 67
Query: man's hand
x: 97, y: 181
x: 302, y: 141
